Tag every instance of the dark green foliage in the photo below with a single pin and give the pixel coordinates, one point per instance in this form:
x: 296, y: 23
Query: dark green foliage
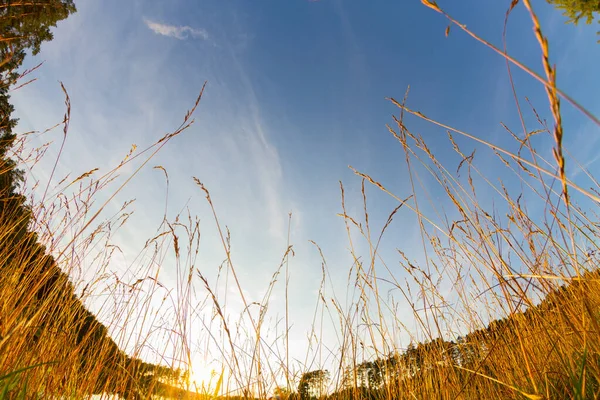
x: 313, y: 384
x: 24, y: 26
x: 577, y: 10
x: 370, y: 374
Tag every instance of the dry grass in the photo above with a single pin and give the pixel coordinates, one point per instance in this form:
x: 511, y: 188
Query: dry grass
x: 504, y: 304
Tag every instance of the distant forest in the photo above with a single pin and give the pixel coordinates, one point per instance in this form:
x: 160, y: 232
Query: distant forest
x: 464, y: 362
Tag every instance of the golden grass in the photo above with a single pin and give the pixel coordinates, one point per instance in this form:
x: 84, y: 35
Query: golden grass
x: 504, y: 304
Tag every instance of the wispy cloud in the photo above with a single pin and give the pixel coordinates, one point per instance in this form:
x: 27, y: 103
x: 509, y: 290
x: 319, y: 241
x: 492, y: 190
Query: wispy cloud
x: 180, y: 32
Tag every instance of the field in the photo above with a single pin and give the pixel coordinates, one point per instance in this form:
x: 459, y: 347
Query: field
x: 505, y: 305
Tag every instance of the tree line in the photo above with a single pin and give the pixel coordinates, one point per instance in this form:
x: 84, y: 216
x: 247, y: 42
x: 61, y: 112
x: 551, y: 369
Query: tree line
x: 46, y: 298
x: 429, y: 367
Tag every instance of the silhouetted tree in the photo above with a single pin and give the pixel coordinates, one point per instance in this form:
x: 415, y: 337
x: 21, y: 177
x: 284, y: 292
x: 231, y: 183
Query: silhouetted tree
x: 312, y: 384
x: 370, y: 374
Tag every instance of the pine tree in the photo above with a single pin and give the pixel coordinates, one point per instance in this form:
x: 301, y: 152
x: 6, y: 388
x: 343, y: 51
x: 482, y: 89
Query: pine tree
x: 577, y: 10
x: 25, y: 25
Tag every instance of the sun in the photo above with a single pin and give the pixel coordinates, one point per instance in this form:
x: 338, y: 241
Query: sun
x: 203, y: 376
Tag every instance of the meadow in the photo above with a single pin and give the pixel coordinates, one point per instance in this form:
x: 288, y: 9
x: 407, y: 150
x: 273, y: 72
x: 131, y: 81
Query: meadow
x: 506, y: 304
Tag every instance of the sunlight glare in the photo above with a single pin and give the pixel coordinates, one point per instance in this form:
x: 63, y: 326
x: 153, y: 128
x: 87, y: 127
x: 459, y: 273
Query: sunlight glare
x: 203, y: 376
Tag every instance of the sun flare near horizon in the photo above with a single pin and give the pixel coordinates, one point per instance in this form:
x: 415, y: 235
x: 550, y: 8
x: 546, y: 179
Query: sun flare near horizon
x: 330, y: 200
x: 203, y: 376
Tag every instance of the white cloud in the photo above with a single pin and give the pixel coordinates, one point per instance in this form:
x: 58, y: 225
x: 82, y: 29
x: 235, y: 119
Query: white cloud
x: 177, y: 32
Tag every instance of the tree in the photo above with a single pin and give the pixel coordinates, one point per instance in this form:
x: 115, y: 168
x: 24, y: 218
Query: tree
x: 577, y: 10
x: 370, y: 374
x: 25, y: 25
x: 312, y: 384
x: 413, y: 358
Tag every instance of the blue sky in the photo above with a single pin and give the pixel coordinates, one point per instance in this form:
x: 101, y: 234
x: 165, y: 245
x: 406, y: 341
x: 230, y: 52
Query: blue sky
x: 296, y: 93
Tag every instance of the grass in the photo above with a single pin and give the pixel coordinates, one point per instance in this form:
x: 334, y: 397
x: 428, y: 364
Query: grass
x: 505, y: 304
